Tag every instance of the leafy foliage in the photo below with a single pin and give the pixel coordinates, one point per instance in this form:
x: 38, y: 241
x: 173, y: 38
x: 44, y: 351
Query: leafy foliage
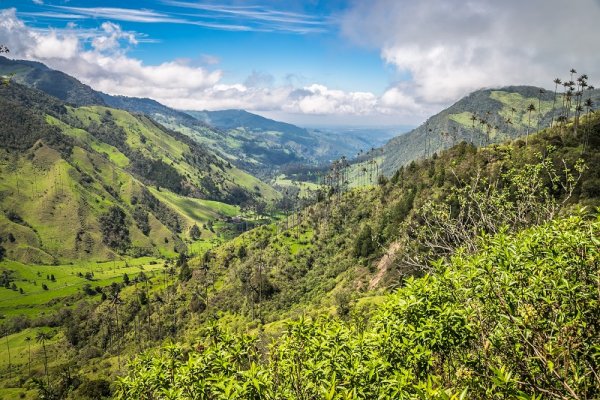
x: 115, y: 233
x: 518, y: 320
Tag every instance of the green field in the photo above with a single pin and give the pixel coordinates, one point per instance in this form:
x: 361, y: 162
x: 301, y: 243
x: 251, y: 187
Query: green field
x: 68, y: 284
x: 306, y: 189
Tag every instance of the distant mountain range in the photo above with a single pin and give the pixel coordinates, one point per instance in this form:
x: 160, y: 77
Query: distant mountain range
x: 263, y: 146
x: 252, y: 142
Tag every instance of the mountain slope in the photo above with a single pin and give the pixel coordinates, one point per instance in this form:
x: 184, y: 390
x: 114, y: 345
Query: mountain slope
x: 504, y: 109
x: 251, y: 142
x: 231, y: 119
x: 92, y: 182
x: 55, y: 83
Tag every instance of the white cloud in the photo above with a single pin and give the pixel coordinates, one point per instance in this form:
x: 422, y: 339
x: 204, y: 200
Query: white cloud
x: 319, y: 99
x: 110, y: 41
x: 452, y: 47
x: 105, y: 65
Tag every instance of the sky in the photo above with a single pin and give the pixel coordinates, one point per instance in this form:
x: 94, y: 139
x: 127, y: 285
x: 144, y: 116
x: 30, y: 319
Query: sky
x: 313, y: 63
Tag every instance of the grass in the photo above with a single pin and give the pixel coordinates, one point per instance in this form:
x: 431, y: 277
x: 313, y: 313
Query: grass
x: 305, y: 188
x: 196, y: 210
x: 520, y: 103
x: 35, y: 300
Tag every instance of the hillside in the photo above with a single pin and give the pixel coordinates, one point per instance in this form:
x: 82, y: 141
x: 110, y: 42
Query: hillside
x: 480, y: 326
x: 253, y: 143
x: 55, y: 83
x: 338, y: 258
x: 501, y: 114
x: 464, y: 237
x: 281, y: 144
x: 91, y: 182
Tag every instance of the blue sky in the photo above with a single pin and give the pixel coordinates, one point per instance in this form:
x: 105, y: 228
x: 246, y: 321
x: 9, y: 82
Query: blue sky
x: 279, y: 38
x: 356, y: 62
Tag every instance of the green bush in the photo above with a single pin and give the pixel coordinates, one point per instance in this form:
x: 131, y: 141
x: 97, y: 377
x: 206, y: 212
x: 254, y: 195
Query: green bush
x: 518, y: 319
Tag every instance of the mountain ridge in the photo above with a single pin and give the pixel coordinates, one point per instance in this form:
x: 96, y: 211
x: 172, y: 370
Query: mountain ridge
x: 503, y: 108
x: 105, y: 182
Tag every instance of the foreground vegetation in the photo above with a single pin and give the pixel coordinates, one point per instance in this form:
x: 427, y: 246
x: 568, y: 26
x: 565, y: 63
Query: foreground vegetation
x: 519, y: 319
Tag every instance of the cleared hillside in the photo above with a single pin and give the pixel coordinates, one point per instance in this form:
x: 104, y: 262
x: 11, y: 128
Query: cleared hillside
x: 90, y: 182
x: 483, y: 117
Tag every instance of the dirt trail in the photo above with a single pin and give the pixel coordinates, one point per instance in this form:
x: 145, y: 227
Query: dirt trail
x: 384, y: 264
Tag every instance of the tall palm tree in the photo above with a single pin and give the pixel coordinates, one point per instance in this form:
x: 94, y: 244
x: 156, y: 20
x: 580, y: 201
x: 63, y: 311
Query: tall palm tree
x: 473, y: 120
x: 557, y: 82
x: 589, y: 104
x: 8, y: 349
x: 565, y: 85
x: 581, y: 85
x: 539, y: 110
x: 28, y: 340
x: 42, y: 337
x: 570, y: 93
x: 530, y: 108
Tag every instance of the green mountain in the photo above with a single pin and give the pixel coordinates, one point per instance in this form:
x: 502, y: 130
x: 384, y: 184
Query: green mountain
x: 92, y: 182
x: 478, y: 270
x: 55, y: 83
x: 273, y: 143
x: 467, y: 272
x: 231, y: 119
x: 450, y: 233
x: 501, y: 114
x: 253, y: 143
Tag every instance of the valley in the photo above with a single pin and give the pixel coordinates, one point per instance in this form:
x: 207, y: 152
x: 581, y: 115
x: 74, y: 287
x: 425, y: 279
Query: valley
x: 430, y: 230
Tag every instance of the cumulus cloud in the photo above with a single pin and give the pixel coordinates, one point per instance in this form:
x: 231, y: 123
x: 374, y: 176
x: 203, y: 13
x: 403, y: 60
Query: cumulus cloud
x: 449, y: 48
x: 100, y: 60
x: 110, y: 40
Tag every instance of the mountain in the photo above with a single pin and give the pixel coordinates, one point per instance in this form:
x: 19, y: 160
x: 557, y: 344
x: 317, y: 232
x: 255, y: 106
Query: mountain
x: 320, y: 279
x: 442, y: 233
x: 465, y: 242
x: 501, y: 115
x: 271, y: 143
x: 231, y: 119
x: 93, y: 182
x: 55, y: 83
x: 253, y: 143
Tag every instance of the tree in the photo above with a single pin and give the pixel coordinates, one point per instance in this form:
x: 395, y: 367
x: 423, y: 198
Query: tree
x: 539, y: 110
x: 2, y: 253
x: 589, y: 104
x: 530, y: 108
x: 8, y: 349
x: 364, y: 245
x: 185, y: 274
x: 5, y: 80
x: 126, y: 279
x: 115, y: 231
x: 28, y: 340
x: 557, y: 82
x: 195, y: 232
x: 42, y: 337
